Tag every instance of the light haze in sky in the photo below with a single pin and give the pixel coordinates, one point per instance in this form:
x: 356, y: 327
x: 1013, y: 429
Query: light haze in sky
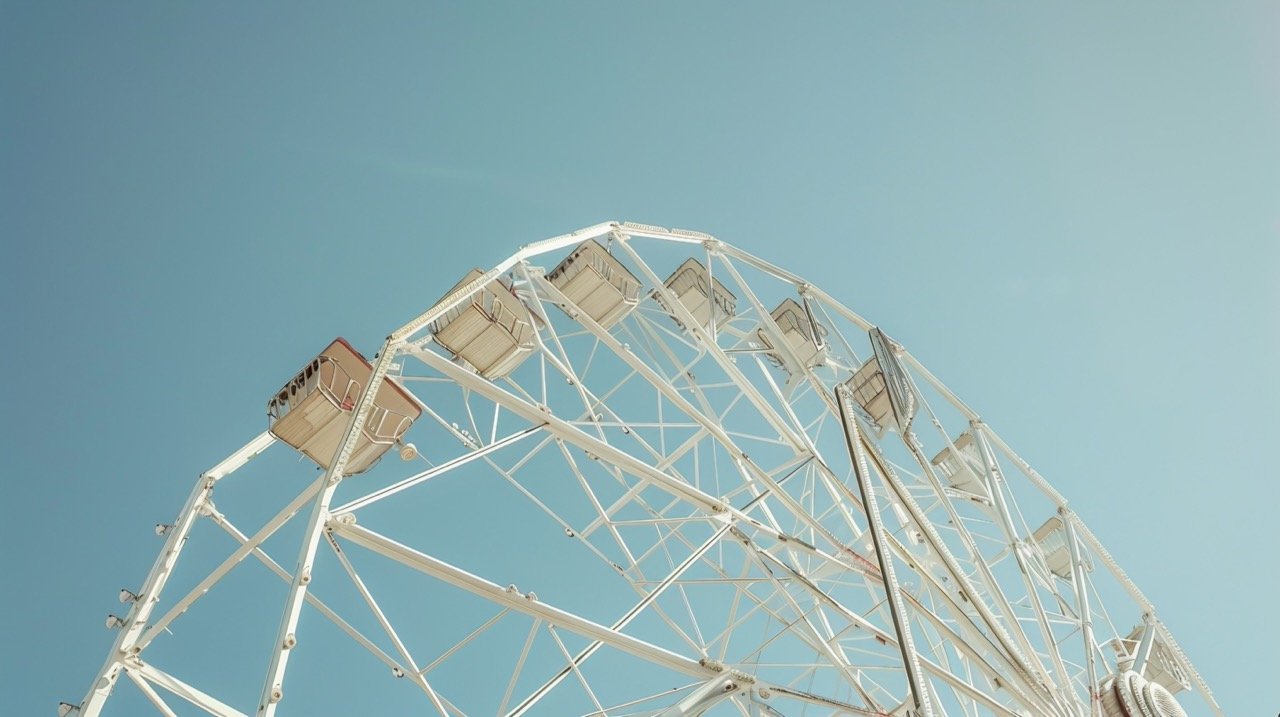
x: 1070, y: 213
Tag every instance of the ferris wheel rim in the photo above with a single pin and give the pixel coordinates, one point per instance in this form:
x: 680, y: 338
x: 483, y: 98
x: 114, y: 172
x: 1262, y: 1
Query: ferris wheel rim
x: 409, y: 341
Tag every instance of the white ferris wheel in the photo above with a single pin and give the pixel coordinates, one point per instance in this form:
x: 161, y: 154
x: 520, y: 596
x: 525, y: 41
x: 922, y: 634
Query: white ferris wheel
x: 633, y: 471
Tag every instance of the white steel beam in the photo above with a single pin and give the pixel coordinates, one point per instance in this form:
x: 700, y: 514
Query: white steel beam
x: 624, y: 461
x: 273, y: 685
x: 562, y: 428
x: 1081, y: 589
x: 710, y: 424
x: 230, y: 562
x: 770, y: 325
x: 715, y: 690
x: 181, y: 689
x: 150, y: 692
x: 821, y: 643
x: 312, y: 600
x: 1032, y: 677
x: 386, y: 626
x: 404, y: 333
x: 525, y: 604
x: 910, y: 660
x: 995, y: 487
x: 387, y: 492
x: 722, y: 359
x: 939, y: 624
x: 622, y: 622
x: 130, y: 640
x: 715, y: 430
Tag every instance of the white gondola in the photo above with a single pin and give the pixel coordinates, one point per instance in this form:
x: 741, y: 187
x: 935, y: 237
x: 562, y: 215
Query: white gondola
x: 312, y: 410
x: 1051, y: 538
x: 802, y: 333
x: 707, y: 302
x: 492, y: 330
x: 872, y: 393
x: 597, y: 283
x: 962, y: 467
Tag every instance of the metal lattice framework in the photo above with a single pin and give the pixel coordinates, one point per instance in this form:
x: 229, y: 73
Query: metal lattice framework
x: 645, y: 496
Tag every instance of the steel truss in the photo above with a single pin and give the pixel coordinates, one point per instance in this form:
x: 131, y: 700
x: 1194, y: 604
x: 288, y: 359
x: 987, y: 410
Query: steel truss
x: 734, y: 533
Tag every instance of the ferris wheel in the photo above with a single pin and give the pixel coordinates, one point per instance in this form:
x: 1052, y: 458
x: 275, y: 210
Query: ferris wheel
x: 633, y: 471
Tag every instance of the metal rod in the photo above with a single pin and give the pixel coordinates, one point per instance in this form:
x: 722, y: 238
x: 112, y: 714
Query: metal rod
x: 187, y: 692
x: 131, y: 638
x: 428, y: 474
x: 381, y: 617
x: 312, y: 600
x: 897, y: 610
x: 622, y: 622
x: 273, y: 684
x: 151, y: 694
x: 1086, y: 616
x: 519, y: 602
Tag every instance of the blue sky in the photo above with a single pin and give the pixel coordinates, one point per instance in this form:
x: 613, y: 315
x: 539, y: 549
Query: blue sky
x: 1071, y: 214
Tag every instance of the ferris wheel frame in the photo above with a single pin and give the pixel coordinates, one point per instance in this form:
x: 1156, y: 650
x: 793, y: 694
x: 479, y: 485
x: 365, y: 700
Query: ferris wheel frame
x: 983, y: 649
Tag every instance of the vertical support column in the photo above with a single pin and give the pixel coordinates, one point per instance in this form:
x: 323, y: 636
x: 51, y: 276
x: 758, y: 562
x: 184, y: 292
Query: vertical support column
x: 897, y: 610
x: 273, y: 685
x: 149, y: 592
x: 1086, y: 617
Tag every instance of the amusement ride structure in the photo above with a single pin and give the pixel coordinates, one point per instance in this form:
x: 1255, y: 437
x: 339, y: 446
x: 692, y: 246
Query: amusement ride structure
x: 633, y: 471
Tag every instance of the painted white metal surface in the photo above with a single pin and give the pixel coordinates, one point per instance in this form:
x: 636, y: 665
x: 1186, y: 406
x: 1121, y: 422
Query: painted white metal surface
x: 746, y: 550
x: 593, y: 281
x: 312, y: 410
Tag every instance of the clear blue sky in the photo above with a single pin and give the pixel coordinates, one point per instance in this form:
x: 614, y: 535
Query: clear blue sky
x: 1071, y: 214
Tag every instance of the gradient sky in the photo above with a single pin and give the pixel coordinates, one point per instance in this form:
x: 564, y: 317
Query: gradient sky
x: 1071, y: 214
